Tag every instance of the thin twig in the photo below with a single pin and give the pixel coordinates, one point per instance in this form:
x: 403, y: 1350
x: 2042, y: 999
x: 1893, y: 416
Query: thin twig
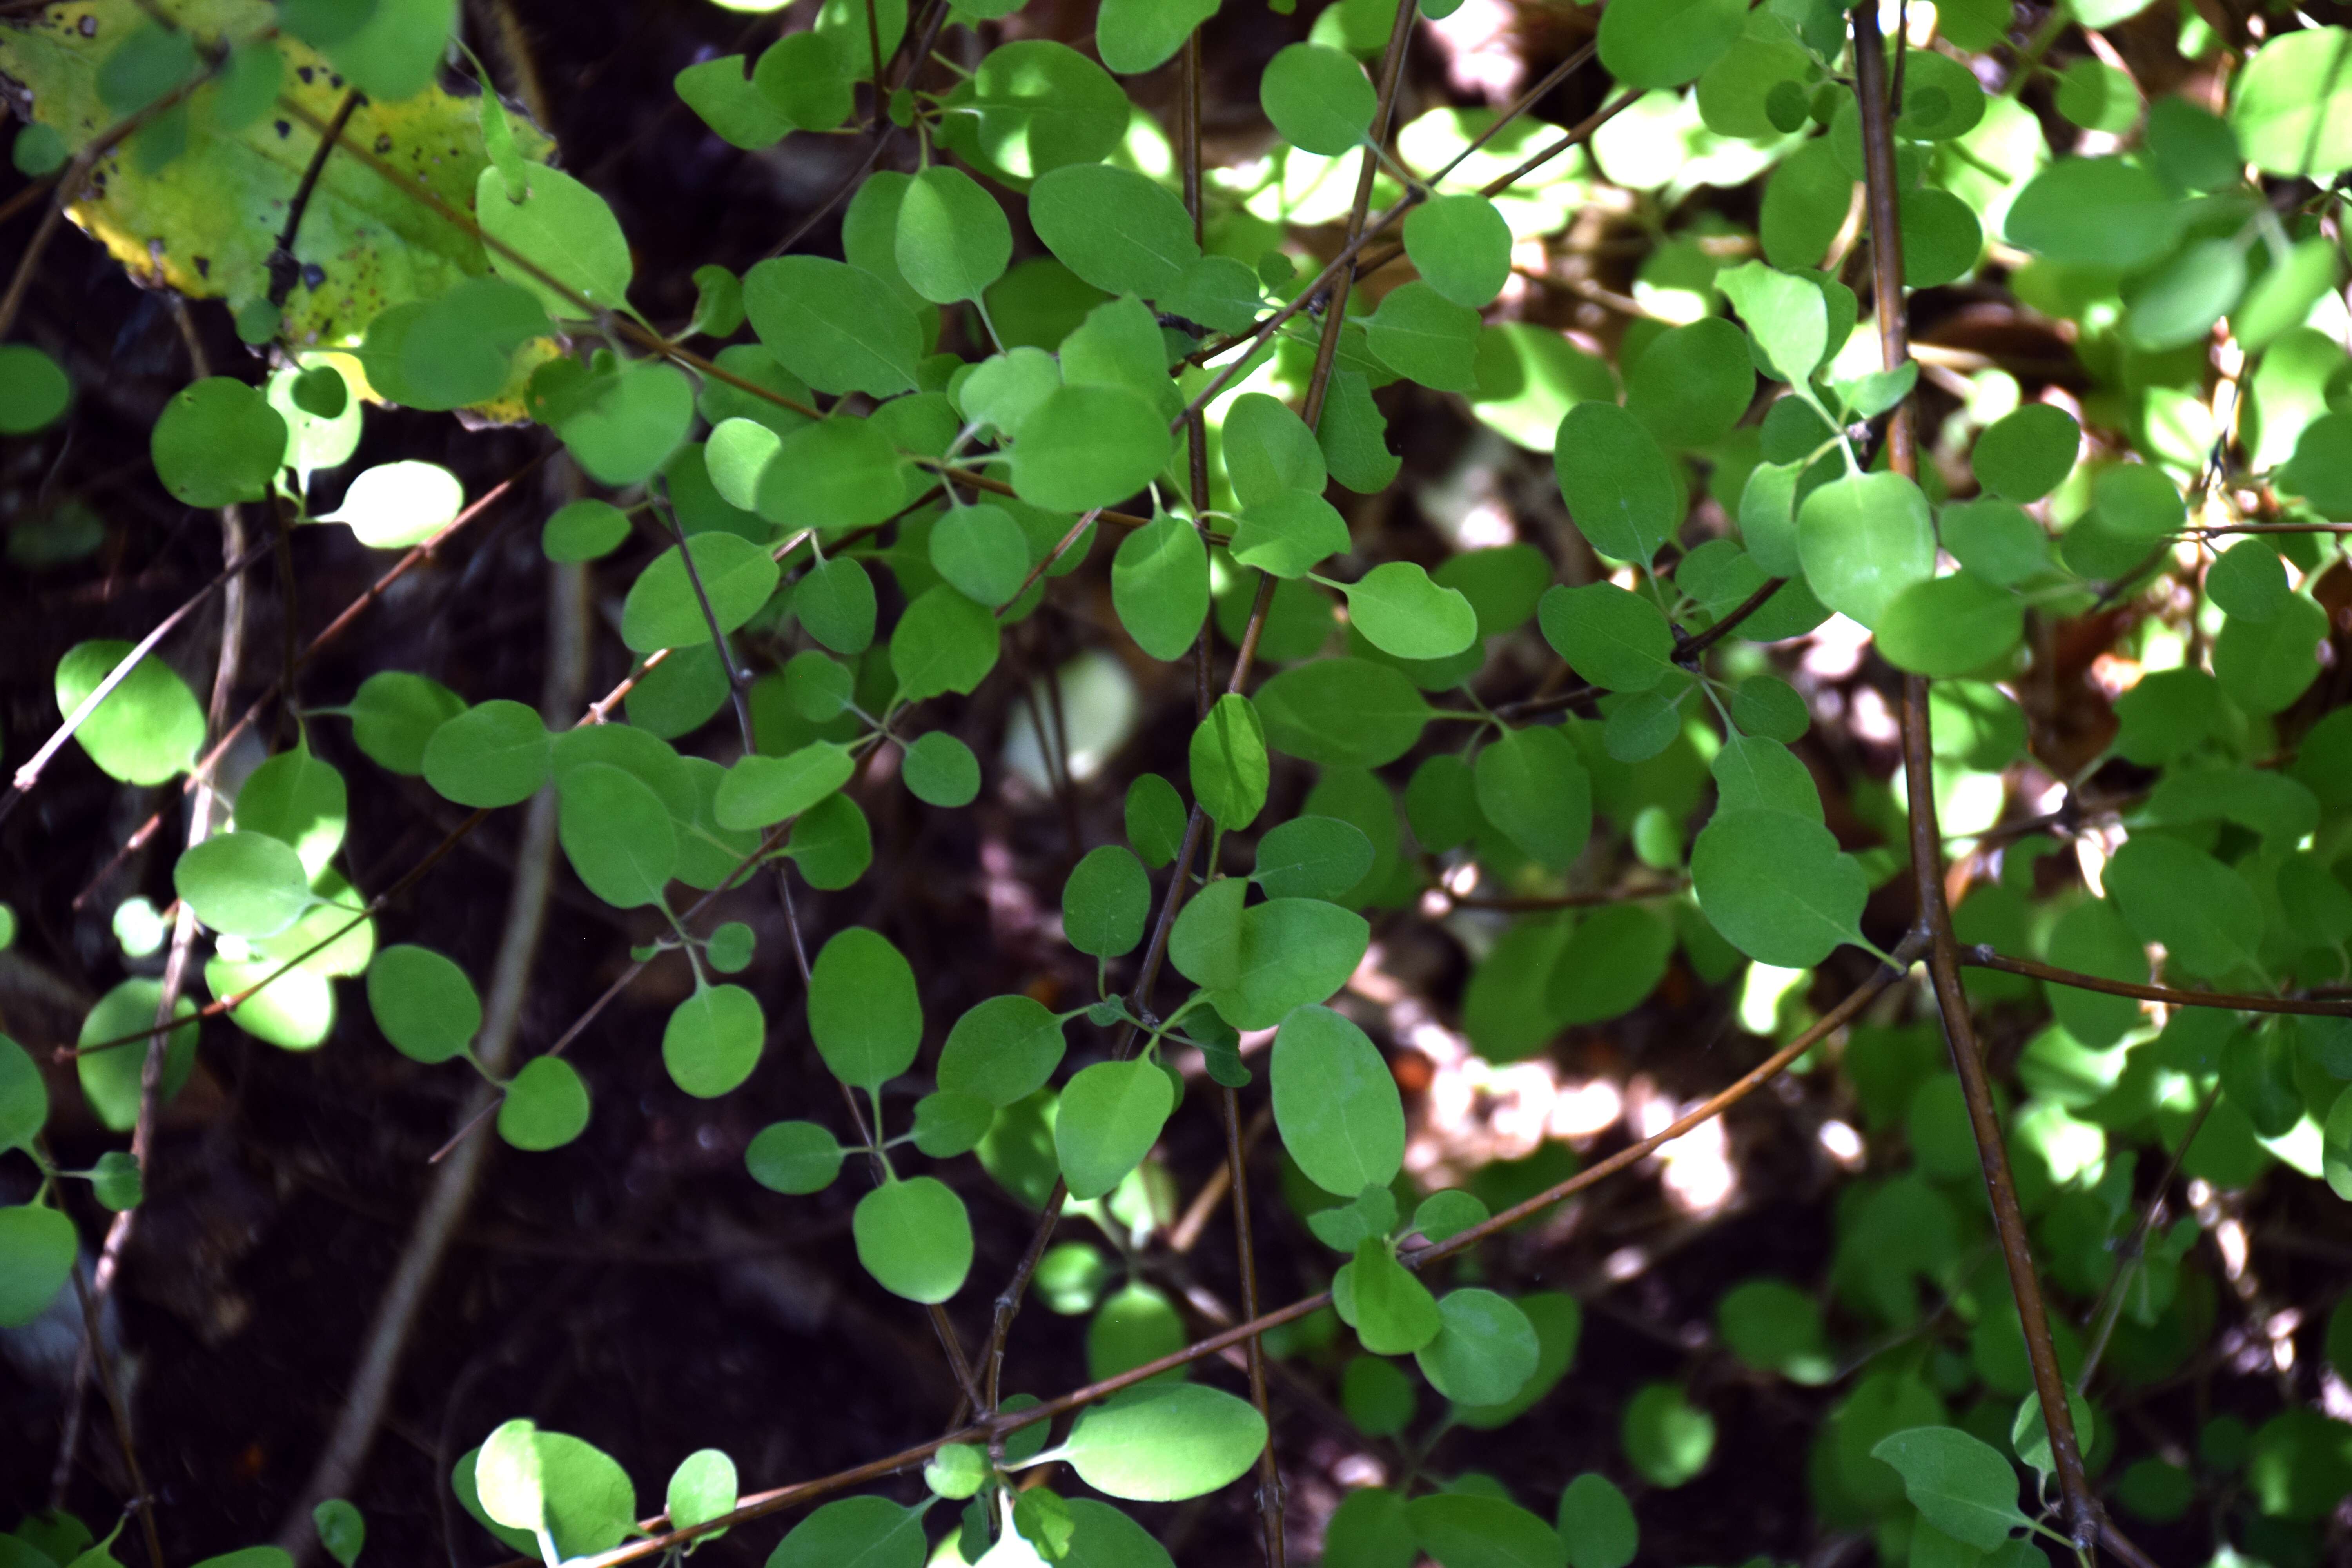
x: 27, y: 776
x: 2082, y: 1507
x: 1983, y: 956
x: 285, y: 272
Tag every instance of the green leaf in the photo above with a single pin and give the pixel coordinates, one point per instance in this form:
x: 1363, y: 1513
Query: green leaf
x: 1619, y: 488
x: 1038, y: 105
x: 115, y: 1181
x: 1155, y: 818
x: 1996, y: 541
x: 2022, y: 455
x: 1668, y: 1439
x: 1392, y: 1312
x: 663, y: 610
x: 808, y: 80
x: 2248, y: 581
x: 1290, y: 951
x: 1776, y: 886
x: 1613, y: 960
x: 943, y: 643
x: 1313, y: 858
x: 1353, y: 434
x: 341, y: 1531
x: 1864, y: 539
x: 712, y: 1040
x: 795, y: 1157
x: 835, y: 602
x: 1136, y: 1325
x: 1228, y: 762
x: 836, y: 327
x: 111, y: 1079
x: 1342, y: 712
x: 1950, y: 625
x: 2180, y: 303
x: 1115, y: 228
x: 1403, y: 613
x: 546, y: 1107
x: 838, y: 473
x: 1135, y: 35
x: 459, y: 347
x: 731, y: 104
x: 1289, y: 534
x: 947, y: 1124
x: 1665, y: 43
x: 618, y: 834
x: 627, y: 425
x: 147, y: 730
x: 1269, y: 451
x: 2292, y: 106
x: 1774, y: 1327
x: 940, y: 770
x: 34, y: 389
x: 1317, y: 98
x: 1002, y: 1050
x: 1335, y: 1103
x: 1597, y: 1524
x: 217, y: 442
x: 1756, y: 773
x: 1425, y: 336
x: 37, y: 1246
x: 1941, y: 237
x: 862, y: 1009
x: 953, y: 238
x: 700, y: 1489
x: 2095, y: 212
x: 1611, y: 636
x: 914, y: 1238
x: 1160, y: 586
x: 1531, y: 786
x: 1484, y: 1354
x: 300, y: 801
x: 1959, y: 1483
x: 1463, y: 1529
x: 761, y: 791
x: 243, y: 884
x: 1165, y: 1442
x: 1105, y: 903
x: 423, y: 1003
x: 566, y: 230
x: 1693, y: 384
x: 2265, y: 665
x: 855, y: 1532
x: 982, y: 553
x: 584, y: 529
x: 1111, y: 1114
x: 2172, y: 892
x: 493, y: 754
x: 1088, y: 447
x: 1461, y: 245
x: 24, y: 1097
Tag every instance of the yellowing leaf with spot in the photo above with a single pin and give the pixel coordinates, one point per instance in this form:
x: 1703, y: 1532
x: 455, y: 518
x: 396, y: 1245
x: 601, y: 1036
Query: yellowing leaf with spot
x: 205, y: 222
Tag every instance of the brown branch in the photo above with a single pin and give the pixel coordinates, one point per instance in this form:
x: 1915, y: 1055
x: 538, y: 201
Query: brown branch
x: 760, y: 1505
x: 1983, y: 956
x: 1880, y: 188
